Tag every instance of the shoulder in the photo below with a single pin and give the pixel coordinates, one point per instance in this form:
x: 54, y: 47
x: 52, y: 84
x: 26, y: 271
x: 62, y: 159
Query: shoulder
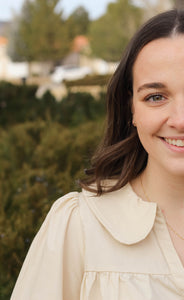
x: 69, y: 202
x: 64, y: 207
x: 57, y: 249
x: 63, y: 215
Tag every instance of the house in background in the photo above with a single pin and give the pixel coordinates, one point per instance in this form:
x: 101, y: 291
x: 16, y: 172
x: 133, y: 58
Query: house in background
x: 79, y: 46
x: 4, y: 60
x: 77, y: 64
x: 10, y: 70
x: 80, y: 57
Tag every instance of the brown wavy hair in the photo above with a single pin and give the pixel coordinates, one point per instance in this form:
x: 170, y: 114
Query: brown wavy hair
x: 121, y: 155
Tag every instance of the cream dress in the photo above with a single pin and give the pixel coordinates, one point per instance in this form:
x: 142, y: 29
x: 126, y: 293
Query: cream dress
x: 112, y: 247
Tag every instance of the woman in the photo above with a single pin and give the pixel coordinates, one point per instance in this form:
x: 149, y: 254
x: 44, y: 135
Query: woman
x: 122, y: 237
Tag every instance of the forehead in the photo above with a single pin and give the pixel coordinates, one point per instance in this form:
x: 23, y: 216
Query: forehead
x: 160, y: 57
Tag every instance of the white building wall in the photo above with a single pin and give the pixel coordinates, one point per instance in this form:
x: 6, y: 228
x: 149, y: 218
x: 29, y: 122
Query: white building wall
x: 11, y: 70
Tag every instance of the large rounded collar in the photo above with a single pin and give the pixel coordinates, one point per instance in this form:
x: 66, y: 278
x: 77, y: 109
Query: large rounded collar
x: 128, y: 218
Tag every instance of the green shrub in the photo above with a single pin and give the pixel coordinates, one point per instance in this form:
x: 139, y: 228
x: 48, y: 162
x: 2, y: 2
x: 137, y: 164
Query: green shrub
x: 44, y: 147
x: 77, y: 108
x: 18, y: 104
x: 40, y: 161
x: 90, y: 80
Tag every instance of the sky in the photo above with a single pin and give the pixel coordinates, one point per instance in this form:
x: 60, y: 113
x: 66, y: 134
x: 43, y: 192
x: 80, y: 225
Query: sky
x: 95, y: 8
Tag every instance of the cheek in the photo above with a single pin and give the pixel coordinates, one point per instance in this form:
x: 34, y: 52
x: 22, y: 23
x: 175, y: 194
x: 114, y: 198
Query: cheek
x: 148, y: 130
x: 145, y: 135
x: 146, y: 125
x: 147, y: 120
x: 141, y: 117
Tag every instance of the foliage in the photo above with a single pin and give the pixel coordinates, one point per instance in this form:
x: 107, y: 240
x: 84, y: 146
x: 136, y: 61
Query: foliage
x: 78, y: 108
x: 110, y: 33
x: 44, y: 148
x: 39, y: 33
x: 40, y: 162
x: 78, y: 22
x: 18, y: 48
x: 90, y: 80
x: 19, y: 104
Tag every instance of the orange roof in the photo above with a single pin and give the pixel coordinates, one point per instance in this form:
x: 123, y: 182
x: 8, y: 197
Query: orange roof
x: 80, y: 42
x: 3, y: 41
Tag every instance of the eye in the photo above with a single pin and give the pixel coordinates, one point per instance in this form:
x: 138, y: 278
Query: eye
x: 155, y: 98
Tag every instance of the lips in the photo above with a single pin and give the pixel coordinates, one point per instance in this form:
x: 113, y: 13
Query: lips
x: 175, y: 142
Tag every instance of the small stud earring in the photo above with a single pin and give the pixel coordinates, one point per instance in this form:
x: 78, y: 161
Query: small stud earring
x: 134, y: 123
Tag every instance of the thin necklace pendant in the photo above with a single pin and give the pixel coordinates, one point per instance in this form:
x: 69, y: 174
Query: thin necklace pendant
x: 168, y: 225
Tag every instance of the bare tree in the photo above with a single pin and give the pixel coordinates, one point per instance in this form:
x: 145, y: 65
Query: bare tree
x: 179, y: 4
x: 153, y: 7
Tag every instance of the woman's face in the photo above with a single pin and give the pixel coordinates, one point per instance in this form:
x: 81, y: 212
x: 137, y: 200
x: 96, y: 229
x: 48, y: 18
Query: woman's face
x: 158, y: 103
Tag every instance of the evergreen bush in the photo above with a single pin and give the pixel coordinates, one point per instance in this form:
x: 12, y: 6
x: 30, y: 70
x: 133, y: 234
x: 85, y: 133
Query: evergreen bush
x: 44, y: 148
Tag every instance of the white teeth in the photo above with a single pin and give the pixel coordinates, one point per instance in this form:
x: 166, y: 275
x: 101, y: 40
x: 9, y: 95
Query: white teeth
x: 179, y: 143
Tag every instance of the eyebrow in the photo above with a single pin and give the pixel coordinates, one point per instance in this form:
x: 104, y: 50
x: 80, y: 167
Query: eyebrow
x: 151, y: 85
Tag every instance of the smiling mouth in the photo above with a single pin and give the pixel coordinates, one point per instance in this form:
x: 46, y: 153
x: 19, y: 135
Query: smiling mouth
x: 175, y: 142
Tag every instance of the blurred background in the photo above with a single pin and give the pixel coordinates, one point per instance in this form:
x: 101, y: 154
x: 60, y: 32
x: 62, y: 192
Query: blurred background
x: 56, y: 58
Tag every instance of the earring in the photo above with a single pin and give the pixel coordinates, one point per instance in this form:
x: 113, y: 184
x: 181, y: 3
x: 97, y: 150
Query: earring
x: 134, y: 123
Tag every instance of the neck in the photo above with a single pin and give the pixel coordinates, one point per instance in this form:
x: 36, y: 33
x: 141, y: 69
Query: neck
x: 164, y: 188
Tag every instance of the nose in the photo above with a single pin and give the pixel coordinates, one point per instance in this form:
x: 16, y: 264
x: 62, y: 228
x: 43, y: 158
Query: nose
x: 176, y: 116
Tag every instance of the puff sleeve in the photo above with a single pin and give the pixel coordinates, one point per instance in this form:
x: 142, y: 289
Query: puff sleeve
x: 53, y: 268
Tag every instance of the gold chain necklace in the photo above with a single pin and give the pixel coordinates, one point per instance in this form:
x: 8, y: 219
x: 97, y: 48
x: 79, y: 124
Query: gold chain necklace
x: 170, y: 227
